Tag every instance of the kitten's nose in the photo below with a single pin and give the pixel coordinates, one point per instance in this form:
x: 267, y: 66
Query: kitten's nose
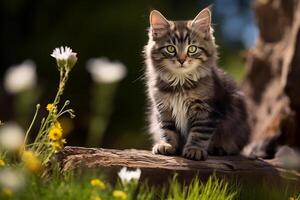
x: 181, y: 58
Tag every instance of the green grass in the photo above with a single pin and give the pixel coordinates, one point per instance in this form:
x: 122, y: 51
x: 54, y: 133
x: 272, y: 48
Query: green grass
x: 214, y: 188
x: 72, y: 187
x: 68, y: 187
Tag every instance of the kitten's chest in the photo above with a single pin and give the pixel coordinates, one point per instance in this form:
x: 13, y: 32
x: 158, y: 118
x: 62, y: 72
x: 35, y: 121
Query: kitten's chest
x: 181, y: 106
x: 178, y: 105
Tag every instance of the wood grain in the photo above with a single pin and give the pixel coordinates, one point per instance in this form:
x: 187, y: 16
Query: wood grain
x: 160, y: 167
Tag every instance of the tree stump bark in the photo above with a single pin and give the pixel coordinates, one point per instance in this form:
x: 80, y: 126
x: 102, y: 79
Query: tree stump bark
x: 272, y: 83
x: 158, y: 168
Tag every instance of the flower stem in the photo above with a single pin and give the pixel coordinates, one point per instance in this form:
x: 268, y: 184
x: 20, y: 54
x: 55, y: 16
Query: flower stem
x: 31, y: 124
x: 63, y: 79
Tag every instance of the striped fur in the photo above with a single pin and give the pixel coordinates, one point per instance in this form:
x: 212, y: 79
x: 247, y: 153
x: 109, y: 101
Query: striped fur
x: 194, y: 107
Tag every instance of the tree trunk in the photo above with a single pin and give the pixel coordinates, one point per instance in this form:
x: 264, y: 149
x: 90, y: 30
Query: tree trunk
x: 272, y: 83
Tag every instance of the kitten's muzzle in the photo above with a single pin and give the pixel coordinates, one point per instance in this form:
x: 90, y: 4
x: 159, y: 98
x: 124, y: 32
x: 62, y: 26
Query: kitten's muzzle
x: 182, y: 58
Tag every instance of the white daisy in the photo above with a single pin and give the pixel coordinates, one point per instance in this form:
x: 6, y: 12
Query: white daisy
x: 20, y: 77
x: 11, y: 136
x: 128, y: 175
x: 65, y: 57
x: 105, y: 71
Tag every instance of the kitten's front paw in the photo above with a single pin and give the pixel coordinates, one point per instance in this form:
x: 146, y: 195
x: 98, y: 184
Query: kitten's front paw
x: 164, y: 149
x: 194, y: 153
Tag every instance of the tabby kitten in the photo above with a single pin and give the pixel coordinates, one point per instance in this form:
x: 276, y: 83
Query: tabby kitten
x: 195, y: 108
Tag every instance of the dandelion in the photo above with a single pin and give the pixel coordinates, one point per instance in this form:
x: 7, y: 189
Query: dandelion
x: 2, y: 163
x: 95, y: 197
x: 50, y: 107
x: 31, y: 161
x: 11, y: 136
x: 65, y: 57
x: 127, y: 175
x: 55, y: 132
x: 20, y: 77
x: 58, y: 145
x: 7, y: 192
x: 98, y: 183
x: 11, y: 179
x: 105, y: 71
x: 118, y: 194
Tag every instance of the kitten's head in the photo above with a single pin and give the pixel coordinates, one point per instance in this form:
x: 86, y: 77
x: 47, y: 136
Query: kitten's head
x: 181, y: 51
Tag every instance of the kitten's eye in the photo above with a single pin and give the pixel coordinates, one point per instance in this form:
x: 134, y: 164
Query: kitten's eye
x: 171, y: 49
x: 192, y: 49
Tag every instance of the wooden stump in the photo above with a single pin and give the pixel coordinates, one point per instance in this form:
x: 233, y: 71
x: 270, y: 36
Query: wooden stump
x: 158, y: 168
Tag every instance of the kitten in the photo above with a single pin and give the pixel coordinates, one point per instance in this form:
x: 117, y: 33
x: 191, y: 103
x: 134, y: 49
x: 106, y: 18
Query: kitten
x: 195, y: 108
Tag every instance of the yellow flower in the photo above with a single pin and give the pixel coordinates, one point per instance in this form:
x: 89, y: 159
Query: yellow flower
x: 55, y: 133
x: 57, y: 125
x: 95, y: 197
x: 7, y: 192
x: 291, y: 198
x: 2, y: 163
x: 58, y: 144
x: 120, y: 194
x: 31, y: 161
x: 98, y: 183
x: 50, y: 107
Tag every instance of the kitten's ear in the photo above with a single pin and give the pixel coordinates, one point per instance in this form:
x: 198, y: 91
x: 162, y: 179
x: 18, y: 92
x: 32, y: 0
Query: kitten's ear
x: 159, y: 24
x: 202, y: 21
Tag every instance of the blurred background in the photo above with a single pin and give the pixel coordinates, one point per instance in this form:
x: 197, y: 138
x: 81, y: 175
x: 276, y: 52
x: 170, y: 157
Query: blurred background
x: 112, y: 108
